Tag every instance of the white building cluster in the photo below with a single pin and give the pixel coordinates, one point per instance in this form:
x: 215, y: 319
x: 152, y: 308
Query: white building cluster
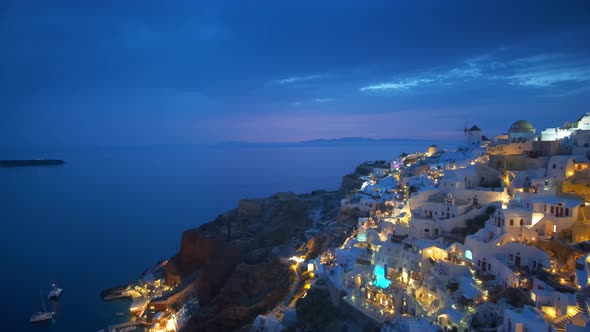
x: 490, y: 236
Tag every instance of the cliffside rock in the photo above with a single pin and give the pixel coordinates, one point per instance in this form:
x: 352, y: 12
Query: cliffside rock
x: 285, y: 196
x: 213, y: 275
x: 250, y: 208
x: 256, y: 256
x: 350, y: 182
x: 349, y: 217
x: 251, y: 290
x: 196, y: 249
x: 363, y: 169
x: 237, y: 256
x: 212, y: 258
x: 315, y: 246
x: 256, y: 284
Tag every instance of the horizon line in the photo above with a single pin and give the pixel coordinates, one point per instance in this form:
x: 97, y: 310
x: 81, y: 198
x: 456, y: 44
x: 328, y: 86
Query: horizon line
x: 227, y: 142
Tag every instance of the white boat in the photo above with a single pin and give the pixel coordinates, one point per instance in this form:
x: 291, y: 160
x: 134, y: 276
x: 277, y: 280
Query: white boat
x: 41, y: 315
x: 55, y: 292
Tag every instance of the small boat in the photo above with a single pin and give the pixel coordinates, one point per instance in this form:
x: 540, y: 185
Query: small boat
x: 55, y: 292
x: 119, y: 314
x: 41, y: 316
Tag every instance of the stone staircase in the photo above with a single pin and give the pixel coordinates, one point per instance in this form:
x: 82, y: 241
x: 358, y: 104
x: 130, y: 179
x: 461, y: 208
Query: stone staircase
x: 582, y: 303
x: 560, y: 323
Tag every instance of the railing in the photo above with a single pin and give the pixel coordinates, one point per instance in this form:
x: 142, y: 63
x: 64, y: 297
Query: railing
x: 560, y: 323
x: 561, y: 319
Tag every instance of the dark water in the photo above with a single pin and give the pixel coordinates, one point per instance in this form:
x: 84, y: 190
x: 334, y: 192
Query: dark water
x: 108, y: 214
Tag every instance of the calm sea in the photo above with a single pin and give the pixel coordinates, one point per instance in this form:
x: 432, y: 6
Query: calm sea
x: 108, y: 214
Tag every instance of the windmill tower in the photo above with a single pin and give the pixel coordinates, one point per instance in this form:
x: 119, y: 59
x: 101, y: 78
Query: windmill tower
x: 473, y: 136
x: 464, y: 130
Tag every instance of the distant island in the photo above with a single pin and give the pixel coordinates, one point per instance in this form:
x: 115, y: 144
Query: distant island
x: 340, y: 140
x: 361, y: 140
x: 30, y: 162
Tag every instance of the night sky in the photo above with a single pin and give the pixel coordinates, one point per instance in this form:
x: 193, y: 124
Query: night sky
x: 118, y: 73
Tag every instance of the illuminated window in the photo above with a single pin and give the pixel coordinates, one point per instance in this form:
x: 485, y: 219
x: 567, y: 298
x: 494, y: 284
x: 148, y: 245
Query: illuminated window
x: 468, y: 254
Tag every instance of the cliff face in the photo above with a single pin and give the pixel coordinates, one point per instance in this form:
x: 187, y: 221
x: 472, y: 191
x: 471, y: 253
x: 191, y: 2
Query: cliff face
x: 235, y: 256
x: 250, y: 208
x: 196, y: 249
x: 231, y: 255
x: 213, y: 258
x: 350, y: 182
x: 252, y: 289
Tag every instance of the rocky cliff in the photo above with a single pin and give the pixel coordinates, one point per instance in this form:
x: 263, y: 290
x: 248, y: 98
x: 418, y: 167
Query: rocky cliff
x: 350, y: 182
x: 237, y: 256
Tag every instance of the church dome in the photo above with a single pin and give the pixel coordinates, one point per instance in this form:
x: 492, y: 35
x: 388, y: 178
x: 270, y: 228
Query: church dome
x: 522, y: 126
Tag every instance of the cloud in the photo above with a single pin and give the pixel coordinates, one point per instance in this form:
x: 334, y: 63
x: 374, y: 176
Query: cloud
x: 543, y: 79
x: 538, y: 71
x: 467, y: 71
x: 297, y: 79
x: 401, y: 85
x: 545, y: 70
x: 324, y: 100
x: 310, y: 101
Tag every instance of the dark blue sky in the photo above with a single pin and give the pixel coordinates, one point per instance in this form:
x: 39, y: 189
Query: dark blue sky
x: 142, y: 72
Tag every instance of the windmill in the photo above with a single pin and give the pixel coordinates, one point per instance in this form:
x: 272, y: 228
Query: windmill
x: 464, y: 130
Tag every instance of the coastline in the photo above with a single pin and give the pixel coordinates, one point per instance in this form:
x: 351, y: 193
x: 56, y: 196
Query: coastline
x: 374, y: 252
x: 252, y: 242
